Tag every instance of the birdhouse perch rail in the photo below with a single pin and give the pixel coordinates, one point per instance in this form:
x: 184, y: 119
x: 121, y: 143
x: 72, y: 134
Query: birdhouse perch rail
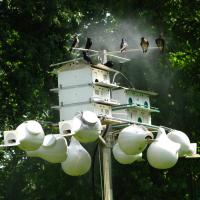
x: 131, y: 50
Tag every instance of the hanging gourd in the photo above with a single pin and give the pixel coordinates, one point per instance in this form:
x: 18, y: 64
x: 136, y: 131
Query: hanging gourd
x: 78, y: 161
x: 86, y: 126
x: 133, y: 139
x: 30, y: 135
x: 123, y: 158
x: 53, y: 149
x: 163, y: 153
x: 183, y: 140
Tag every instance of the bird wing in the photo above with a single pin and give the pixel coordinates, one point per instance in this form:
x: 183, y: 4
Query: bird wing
x: 160, y: 42
x: 121, y: 45
x: 144, y: 44
x: 74, y: 43
x: 88, y: 44
x: 157, y: 41
x: 163, y: 41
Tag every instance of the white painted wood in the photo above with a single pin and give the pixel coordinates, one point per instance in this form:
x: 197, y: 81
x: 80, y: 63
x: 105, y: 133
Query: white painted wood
x: 99, y: 75
x: 75, y: 76
x: 124, y: 96
x: 120, y: 96
x: 83, y: 93
x: 68, y: 112
x: 132, y: 115
x: 83, y: 74
x: 75, y: 95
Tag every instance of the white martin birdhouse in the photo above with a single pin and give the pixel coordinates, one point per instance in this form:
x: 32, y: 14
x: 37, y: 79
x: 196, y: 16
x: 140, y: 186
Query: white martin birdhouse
x: 84, y: 87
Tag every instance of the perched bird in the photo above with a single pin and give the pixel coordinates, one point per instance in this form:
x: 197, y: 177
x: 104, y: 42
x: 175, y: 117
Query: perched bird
x: 75, y: 42
x: 88, y: 43
x: 109, y: 64
x: 123, y: 45
x: 144, y: 44
x: 160, y: 42
x: 85, y: 53
x: 86, y: 57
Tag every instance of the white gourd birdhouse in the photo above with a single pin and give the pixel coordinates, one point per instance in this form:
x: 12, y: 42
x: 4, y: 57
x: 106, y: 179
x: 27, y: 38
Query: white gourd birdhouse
x: 183, y: 140
x: 65, y: 127
x: 86, y: 126
x: 122, y: 157
x: 133, y: 139
x: 53, y: 149
x: 163, y: 152
x: 78, y: 161
x: 193, y: 147
x: 84, y: 87
x: 30, y: 135
x: 134, y: 105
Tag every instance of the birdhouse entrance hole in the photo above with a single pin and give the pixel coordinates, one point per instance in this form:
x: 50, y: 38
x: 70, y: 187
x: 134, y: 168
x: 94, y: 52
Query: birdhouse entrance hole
x: 140, y: 119
x: 130, y: 101
x: 146, y: 105
x: 11, y: 141
x: 67, y: 131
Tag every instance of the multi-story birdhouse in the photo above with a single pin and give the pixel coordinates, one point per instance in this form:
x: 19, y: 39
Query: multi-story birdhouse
x: 134, y: 105
x: 84, y: 87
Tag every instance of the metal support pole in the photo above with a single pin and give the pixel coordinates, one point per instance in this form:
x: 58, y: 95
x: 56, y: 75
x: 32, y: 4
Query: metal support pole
x: 104, y: 56
x: 107, y: 171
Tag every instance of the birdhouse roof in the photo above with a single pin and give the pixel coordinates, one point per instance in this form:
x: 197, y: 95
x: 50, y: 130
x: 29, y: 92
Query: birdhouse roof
x: 78, y: 63
x: 104, y: 67
x: 150, y: 93
x: 142, y: 91
x: 68, y: 65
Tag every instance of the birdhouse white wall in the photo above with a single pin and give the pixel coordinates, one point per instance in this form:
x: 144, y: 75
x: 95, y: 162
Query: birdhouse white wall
x: 82, y: 87
x: 133, y: 115
x: 68, y: 112
x: 136, y: 97
x: 140, y: 116
x: 73, y: 74
x: 100, y: 76
x: 83, y: 94
x: 101, y: 92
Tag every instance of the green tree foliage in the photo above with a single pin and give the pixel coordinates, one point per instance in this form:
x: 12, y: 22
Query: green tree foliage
x: 35, y: 33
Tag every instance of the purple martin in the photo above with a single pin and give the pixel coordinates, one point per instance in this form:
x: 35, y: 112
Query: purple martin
x: 160, y: 42
x: 88, y: 43
x: 144, y: 44
x: 123, y: 45
x: 86, y: 57
x: 75, y: 42
x: 109, y: 64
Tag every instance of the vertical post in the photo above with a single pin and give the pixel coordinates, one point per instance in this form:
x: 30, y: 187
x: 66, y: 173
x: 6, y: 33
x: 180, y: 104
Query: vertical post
x: 107, y: 170
x: 104, y: 57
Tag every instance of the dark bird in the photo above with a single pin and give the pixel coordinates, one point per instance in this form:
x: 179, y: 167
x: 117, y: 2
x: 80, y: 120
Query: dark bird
x: 88, y: 43
x: 75, y: 42
x: 109, y: 64
x: 160, y: 42
x: 144, y: 44
x: 86, y: 57
x: 123, y: 45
